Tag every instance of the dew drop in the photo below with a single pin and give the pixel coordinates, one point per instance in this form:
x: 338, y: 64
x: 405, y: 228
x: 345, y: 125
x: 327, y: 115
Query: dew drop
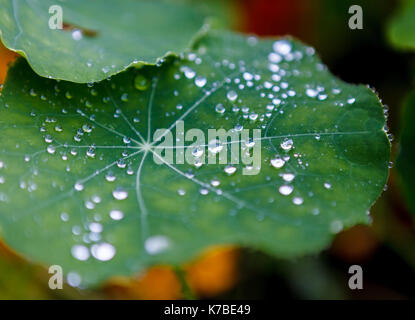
x: 336, y: 226
x: 282, y: 47
x: 121, y: 164
x: 89, y: 205
x: 189, y: 73
x: 156, y: 244
x: 110, y: 177
x: 77, y: 138
x: 215, y: 146
x: 197, y: 152
x: 274, y: 57
x: 95, y: 227
x: 77, y: 34
x: 48, y: 139
x: 124, y: 97
x: 238, y: 128
x: 51, y: 149
x: 297, y: 201
x: 198, y: 163
x: 87, y: 128
x: 74, y: 279
x: 230, y: 170
x: 277, y: 162
x: 250, y: 143
x: 232, y: 96
x: 116, y: 214
x: 311, y: 93
x: 90, y: 153
x: 64, y: 216
x: 288, y: 177
x: 200, y: 81
x: 215, y: 182
x: 76, y: 230
x: 204, y: 191
x: 126, y: 140
x: 141, y: 83
x: 327, y: 185
x: 248, y: 76
x: 96, y: 199
x: 103, y: 251
x: 316, y: 211
x: 80, y: 252
x: 286, y: 190
x: 220, y: 108
x: 120, y: 194
x: 287, y: 144
x: 189, y: 174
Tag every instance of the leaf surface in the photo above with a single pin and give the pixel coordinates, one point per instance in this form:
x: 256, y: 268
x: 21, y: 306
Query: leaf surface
x: 81, y: 187
x: 100, y: 38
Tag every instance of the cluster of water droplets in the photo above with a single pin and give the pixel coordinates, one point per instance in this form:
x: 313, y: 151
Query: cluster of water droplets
x: 274, y: 92
x: 277, y: 91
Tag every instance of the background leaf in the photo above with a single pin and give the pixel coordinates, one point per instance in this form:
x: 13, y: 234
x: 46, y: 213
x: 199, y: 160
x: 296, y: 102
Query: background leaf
x: 80, y: 187
x: 401, y: 30
x: 100, y: 38
x: 405, y: 161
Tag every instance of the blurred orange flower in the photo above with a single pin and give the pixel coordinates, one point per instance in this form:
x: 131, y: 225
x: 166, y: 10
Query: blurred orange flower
x: 6, y: 56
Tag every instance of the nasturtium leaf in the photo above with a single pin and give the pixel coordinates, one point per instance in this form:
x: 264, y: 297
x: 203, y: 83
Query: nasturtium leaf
x: 406, y: 158
x: 81, y: 186
x: 99, y: 38
x: 401, y: 29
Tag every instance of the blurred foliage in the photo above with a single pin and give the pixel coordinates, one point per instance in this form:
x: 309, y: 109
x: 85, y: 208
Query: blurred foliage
x: 406, y: 159
x: 401, y: 29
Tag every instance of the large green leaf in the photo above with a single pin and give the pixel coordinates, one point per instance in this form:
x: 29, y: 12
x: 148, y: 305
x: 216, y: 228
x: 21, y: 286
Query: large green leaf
x: 401, y: 29
x: 102, y: 37
x: 405, y: 161
x: 69, y: 151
